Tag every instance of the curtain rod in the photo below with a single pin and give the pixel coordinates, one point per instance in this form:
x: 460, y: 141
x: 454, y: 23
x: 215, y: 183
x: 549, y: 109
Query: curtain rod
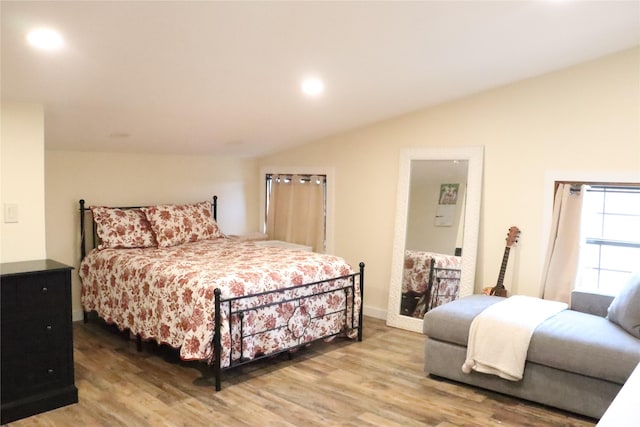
x: 304, y: 177
x: 576, y: 187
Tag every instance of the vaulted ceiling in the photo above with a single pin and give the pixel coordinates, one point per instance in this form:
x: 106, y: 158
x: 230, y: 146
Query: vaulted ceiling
x: 224, y: 77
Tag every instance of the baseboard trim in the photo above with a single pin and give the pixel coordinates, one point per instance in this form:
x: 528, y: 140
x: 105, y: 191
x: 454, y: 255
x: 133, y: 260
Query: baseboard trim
x: 375, y: 312
x: 77, y: 315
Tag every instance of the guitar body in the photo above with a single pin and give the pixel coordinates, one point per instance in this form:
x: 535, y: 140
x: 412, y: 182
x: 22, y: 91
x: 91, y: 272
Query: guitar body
x: 499, y: 290
x: 496, y: 291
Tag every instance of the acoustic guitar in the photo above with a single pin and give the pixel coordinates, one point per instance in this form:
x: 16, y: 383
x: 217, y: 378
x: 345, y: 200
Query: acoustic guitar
x: 499, y: 289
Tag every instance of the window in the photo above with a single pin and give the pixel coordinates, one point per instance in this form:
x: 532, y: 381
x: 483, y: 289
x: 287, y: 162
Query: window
x: 611, y: 236
x: 296, y: 209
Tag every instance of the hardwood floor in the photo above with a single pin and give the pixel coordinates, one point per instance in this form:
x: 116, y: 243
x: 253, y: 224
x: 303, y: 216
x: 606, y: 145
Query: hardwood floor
x: 378, y: 382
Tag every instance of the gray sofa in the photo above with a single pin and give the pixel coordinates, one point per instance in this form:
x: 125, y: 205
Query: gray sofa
x: 577, y: 360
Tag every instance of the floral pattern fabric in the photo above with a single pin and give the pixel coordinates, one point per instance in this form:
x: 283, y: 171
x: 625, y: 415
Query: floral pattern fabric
x: 446, y: 286
x: 167, y: 294
x: 122, y: 228
x: 416, y: 275
x: 177, y: 224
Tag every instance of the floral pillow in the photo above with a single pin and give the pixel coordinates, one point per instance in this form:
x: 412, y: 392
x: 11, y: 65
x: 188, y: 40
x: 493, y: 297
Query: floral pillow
x: 177, y: 224
x: 122, y: 228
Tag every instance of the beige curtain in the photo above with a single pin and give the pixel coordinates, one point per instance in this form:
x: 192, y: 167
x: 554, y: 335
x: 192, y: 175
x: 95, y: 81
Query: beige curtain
x: 560, y: 271
x: 296, y: 210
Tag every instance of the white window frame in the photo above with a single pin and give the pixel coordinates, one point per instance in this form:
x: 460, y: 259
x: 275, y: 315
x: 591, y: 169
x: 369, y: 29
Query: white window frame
x: 551, y: 177
x: 327, y: 171
x: 603, y: 243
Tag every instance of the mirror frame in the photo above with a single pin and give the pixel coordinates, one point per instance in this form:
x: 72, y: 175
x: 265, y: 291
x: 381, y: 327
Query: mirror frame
x: 475, y: 156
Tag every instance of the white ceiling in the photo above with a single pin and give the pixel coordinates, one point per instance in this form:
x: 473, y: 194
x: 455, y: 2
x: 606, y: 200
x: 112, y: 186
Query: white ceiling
x: 223, y: 77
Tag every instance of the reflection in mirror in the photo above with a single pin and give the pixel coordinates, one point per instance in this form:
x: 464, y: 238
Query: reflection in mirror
x: 437, y: 191
x: 436, y: 231
x: 433, y: 241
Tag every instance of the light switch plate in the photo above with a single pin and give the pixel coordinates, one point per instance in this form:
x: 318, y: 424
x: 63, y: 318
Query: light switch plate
x: 10, y: 212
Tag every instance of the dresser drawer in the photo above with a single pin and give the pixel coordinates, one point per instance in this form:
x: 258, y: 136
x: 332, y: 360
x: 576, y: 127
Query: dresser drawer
x: 34, y: 373
x: 43, y: 293
x: 35, y: 335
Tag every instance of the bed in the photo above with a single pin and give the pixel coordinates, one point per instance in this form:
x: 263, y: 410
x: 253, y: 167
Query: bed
x: 166, y: 273
x: 429, y: 279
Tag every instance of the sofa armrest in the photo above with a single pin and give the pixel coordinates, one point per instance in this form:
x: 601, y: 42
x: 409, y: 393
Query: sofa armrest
x: 590, y: 302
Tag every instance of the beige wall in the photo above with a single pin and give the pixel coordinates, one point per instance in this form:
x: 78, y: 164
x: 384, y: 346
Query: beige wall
x: 422, y: 232
x: 22, y: 175
x: 585, y: 118
x: 120, y: 179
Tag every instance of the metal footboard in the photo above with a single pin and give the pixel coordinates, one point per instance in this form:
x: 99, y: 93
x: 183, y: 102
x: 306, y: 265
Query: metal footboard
x: 234, y: 308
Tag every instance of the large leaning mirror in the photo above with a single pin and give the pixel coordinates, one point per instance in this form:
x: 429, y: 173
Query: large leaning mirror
x: 436, y: 231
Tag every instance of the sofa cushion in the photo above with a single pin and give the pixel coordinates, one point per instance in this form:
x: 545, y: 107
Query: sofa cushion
x: 590, y: 301
x: 625, y: 308
x: 450, y: 322
x: 585, y: 344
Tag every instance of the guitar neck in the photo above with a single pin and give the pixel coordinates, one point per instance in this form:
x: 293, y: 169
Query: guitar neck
x: 503, y: 267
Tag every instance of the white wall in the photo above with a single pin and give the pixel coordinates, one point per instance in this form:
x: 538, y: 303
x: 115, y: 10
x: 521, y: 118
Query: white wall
x: 424, y: 192
x: 22, y: 176
x: 120, y: 179
x: 585, y: 117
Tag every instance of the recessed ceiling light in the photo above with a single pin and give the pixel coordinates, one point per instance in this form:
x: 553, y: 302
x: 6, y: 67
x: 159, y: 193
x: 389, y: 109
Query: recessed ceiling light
x: 312, y: 86
x: 45, y: 38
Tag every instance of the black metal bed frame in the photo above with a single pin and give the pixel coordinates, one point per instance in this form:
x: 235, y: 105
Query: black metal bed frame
x: 413, y: 302
x: 353, y: 280
x: 435, y: 281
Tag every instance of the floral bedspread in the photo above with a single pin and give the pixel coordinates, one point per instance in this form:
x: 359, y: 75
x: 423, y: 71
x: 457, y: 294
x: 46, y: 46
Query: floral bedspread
x: 167, y: 294
x: 415, y: 279
x: 417, y: 268
x: 446, y: 286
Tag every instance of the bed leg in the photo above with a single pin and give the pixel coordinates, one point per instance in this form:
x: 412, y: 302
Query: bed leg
x: 85, y: 317
x: 138, y: 343
x: 361, y: 301
x: 217, y: 340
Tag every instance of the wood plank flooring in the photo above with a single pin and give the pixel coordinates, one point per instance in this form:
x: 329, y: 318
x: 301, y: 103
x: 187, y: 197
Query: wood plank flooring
x: 377, y: 382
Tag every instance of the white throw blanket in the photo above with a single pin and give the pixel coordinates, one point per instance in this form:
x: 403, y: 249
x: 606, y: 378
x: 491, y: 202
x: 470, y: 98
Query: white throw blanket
x: 499, y: 336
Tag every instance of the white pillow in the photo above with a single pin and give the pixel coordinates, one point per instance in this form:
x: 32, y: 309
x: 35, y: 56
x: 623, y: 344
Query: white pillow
x: 625, y: 307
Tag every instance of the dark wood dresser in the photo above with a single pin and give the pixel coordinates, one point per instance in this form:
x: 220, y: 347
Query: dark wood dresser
x: 36, y: 345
